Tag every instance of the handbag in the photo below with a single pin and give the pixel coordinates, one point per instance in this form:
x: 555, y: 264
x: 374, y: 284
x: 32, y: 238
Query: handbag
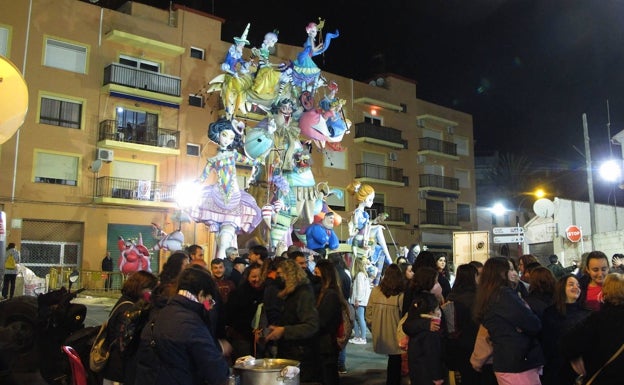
x: 483, y: 350
x: 98, y: 356
x: 402, y: 338
x: 613, y: 357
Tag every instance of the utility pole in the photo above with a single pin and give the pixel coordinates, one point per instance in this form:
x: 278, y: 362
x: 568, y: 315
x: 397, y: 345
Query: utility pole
x: 590, y: 183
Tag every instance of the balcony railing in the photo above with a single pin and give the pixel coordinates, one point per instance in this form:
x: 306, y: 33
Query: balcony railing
x: 139, y: 134
x: 441, y: 218
x: 437, y: 145
x: 124, y: 75
x: 395, y: 214
x: 374, y: 171
x: 134, y: 189
x: 439, y: 181
x: 386, y: 134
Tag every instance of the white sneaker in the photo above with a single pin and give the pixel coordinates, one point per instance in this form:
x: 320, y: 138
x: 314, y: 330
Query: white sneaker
x: 361, y: 341
x: 354, y: 341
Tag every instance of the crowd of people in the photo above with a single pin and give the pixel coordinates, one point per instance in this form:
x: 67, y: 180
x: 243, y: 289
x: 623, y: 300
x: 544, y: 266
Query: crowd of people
x: 514, y: 321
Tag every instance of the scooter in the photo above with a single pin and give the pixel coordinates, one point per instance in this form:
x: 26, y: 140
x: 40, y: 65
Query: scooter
x: 32, y: 331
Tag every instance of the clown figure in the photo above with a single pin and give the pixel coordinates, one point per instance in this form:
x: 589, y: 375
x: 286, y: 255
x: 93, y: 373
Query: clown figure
x: 225, y: 208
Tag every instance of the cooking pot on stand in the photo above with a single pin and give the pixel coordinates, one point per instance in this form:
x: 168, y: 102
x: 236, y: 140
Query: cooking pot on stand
x: 265, y: 372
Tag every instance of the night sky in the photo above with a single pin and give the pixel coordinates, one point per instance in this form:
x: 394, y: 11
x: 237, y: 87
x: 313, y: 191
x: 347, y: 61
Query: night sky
x: 526, y: 70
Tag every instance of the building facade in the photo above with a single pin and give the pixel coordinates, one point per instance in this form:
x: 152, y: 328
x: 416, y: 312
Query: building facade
x: 118, y: 115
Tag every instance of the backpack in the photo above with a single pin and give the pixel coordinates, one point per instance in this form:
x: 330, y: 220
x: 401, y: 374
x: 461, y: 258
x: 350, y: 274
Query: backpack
x: 450, y: 319
x: 345, y: 327
x: 98, y: 356
x: 10, y: 264
x: 132, y: 323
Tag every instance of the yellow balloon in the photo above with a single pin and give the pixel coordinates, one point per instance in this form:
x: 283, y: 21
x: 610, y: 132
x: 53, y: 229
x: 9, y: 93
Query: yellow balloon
x: 13, y: 99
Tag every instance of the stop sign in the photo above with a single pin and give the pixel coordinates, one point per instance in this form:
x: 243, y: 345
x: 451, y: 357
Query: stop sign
x: 573, y: 233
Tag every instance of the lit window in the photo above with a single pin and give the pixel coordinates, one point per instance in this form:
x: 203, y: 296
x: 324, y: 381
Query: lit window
x: 4, y: 41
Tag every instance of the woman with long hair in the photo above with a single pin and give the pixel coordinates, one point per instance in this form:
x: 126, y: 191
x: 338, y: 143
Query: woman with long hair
x: 596, y: 268
x: 383, y: 313
x: 459, y: 347
x: 297, y: 334
x: 512, y: 326
x: 565, y: 313
x: 329, y: 304
x: 359, y: 298
x: 596, y: 339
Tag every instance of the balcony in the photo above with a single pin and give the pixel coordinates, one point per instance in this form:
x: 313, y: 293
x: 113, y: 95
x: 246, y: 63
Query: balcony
x: 368, y: 172
x: 381, y: 135
x: 134, y: 192
x: 139, y: 138
x: 438, y: 185
x: 395, y: 215
x: 141, y: 85
x: 437, y: 219
x: 438, y: 147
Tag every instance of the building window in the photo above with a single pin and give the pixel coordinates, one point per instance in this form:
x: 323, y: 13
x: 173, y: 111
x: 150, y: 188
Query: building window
x: 60, y: 112
x: 139, y: 63
x: 196, y: 100
x: 463, y: 212
x: 464, y: 178
x: 65, y: 56
x: 193, y: 149
x: 336, y: 201
x: 462, y: 145
x: 373, y: 121
x: 56, y: 168
x: 429, y: 133
x: 197, y: 53
x: 4, y: 41
x: 336, y: 159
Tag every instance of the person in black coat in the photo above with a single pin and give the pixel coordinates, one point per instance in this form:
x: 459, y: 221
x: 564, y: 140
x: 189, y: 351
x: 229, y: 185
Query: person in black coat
x: 591, y: 343
x: 297, y: 335
x: 241, y: 309
x: 459, y: 346
x: 121, y: 366
x: 558, y: 319
x: 107, y: 268
x: 177, y: 346
x: 424, y: 352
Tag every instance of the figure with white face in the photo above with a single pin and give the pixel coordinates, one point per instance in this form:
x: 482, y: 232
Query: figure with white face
x: 225, y: 208
x: 366, y: 233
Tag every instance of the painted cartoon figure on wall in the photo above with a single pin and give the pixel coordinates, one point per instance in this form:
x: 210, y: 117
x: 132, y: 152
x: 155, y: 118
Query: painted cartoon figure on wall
x: 365, y: 233
x: 133, y: 256
x: 224, y: 208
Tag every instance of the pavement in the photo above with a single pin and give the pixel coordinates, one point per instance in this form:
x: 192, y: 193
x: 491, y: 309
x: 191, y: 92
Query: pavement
x: 364, y: 367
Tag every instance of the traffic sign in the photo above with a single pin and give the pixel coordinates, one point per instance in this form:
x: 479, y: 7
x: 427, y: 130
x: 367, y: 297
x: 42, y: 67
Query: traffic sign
x: 507, y: 230
x: 574, y: 233
x: 509, y: 239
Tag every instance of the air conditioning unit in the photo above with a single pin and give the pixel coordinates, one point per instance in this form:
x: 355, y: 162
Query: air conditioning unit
x: 393, y: 156
x: 450, y: 130
x: 420, y: 123
x: 422, y: 158
x: 105, y: 155
x: 422, y: 194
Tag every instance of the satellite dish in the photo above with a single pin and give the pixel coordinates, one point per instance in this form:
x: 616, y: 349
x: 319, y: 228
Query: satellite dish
x: 544, y: 208
x: 380, y: 82
x: 96, y: 165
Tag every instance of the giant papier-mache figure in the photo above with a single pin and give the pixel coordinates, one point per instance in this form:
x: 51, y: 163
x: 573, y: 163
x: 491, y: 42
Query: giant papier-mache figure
x: 302, y: 114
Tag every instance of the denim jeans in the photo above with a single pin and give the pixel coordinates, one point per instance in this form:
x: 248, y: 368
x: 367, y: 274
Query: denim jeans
x: 359, y: 326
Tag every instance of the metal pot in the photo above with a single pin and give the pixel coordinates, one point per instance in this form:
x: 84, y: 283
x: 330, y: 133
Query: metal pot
x: 265, y: 372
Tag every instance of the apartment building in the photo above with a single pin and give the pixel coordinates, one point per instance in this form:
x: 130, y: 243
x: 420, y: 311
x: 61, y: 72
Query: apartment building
x: 118, y: 115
